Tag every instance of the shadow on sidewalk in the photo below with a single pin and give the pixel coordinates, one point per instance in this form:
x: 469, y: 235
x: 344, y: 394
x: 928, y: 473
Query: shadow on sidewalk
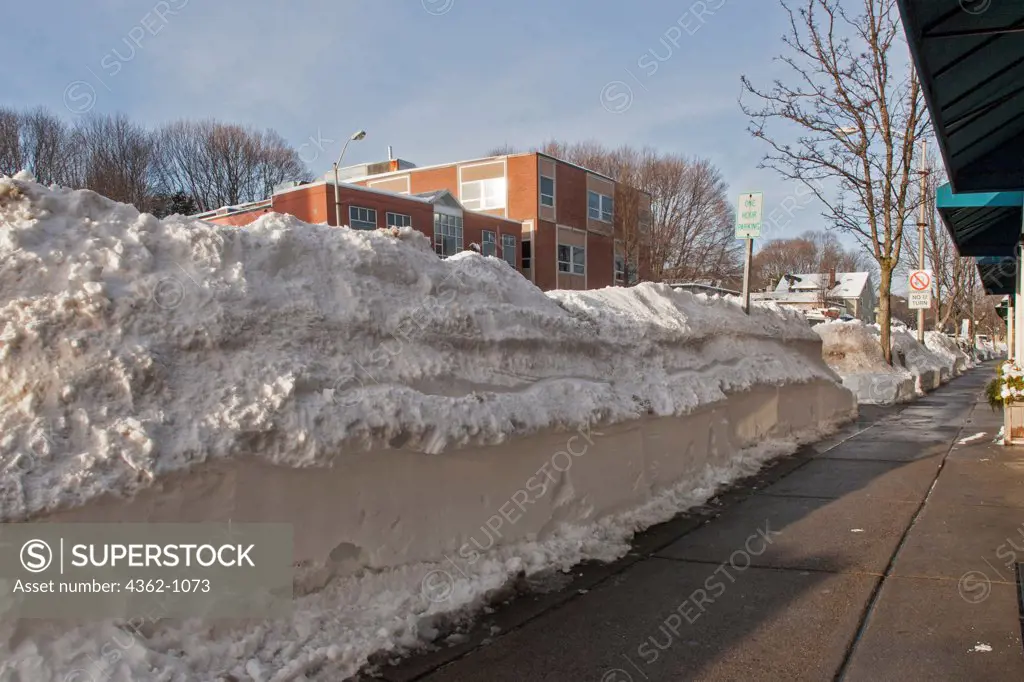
x: 692, y: 589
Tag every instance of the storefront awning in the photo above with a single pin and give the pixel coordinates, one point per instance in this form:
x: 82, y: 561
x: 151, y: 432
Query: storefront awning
x: 982, y: 223
x: 998, y: 275
x: 970, y: 57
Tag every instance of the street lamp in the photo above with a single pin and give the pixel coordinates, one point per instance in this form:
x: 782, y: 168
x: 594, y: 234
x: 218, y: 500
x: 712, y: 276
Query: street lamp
x: 356, y: 136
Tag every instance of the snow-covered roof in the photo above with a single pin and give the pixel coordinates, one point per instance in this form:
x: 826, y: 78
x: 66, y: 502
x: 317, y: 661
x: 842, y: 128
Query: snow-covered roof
x: 848, y: 284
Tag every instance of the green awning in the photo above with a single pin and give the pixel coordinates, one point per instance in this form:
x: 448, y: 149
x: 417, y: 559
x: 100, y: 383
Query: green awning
x: 982, y: 223
x: 970, y: 56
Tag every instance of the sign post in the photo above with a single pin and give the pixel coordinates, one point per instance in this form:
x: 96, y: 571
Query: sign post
x: 920, y: 297
x: 748, y: 226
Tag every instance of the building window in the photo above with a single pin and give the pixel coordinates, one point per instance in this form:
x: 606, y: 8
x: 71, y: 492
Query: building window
x: 620, y: 269
x: 447, y: 234
x: 399, y: 220
x: 527, y: 255
x: 489, y: 247
x: 572, y: 259
x: 483, y: 195
x: 362, y: 218
x: 547, y: 191
x: 508, y: 250
x: 600, y: 207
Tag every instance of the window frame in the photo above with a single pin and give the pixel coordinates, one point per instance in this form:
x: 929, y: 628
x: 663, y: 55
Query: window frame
x: 620, y: 274
x: 542, y: 194
x: 527, y: 259
x: 369, y: 211
x: 602, y: 199
x: 481, y: 204
x: 506, y: 240
x: 408, y: 219
x: 453, y: 223
x: 571, y: 264
x: 492, y: 242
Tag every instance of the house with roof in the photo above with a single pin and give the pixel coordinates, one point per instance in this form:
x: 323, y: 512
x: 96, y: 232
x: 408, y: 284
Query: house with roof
x: 854, y: 290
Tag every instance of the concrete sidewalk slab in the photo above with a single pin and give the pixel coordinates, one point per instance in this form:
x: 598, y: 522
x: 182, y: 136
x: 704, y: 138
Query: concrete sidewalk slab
x: 835, y: 478
x: 981, y: 482
x: 924, y: 630
x: 950, y: 540
x: 886, y: 450
x: 806, y: 533
x: 626, y: 631
x: 805, y: 606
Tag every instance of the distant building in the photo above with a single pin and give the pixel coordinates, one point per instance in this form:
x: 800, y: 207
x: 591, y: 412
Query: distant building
x: 572, y: 217
x: 438, y: 215
x: 854, y: 291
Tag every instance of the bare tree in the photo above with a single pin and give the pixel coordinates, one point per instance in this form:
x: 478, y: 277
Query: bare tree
x: 119, y: 158
x: 12, y: 159
x: 219, y: 164
x: 689, y: 231
x: 859, y: 122
x: 49, y: 149
x: 812, y: 252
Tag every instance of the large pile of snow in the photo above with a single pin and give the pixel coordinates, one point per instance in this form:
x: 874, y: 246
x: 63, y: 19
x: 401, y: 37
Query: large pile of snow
x: 853, y: 351
x: 946, y: 349
x: 929, y: 370
x: 133, y: 348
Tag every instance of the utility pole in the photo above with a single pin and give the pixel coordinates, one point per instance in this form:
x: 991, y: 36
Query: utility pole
x: 920, y: 228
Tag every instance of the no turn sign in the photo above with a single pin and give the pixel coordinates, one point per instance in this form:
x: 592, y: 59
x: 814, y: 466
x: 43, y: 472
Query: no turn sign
x: 920, y: 297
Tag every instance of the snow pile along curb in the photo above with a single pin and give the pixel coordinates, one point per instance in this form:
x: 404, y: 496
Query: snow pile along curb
x: 390, y: 405
x: 852, y: 350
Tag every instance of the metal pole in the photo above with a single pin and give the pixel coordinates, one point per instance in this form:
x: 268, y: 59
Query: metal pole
x: 746, y: 275
x: 920, y: 229
x: 337, y: 202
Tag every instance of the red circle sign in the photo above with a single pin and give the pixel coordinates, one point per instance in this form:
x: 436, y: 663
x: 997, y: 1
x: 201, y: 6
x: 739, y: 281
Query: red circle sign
x: 920, y: 281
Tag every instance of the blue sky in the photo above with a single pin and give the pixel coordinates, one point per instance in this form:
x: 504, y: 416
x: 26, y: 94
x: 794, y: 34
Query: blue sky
x: 440, y: 80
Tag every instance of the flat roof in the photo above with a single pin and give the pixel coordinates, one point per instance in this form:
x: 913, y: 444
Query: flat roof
x: 490, y: 158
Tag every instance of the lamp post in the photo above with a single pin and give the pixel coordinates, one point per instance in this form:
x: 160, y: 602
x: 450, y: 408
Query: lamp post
x: 356, y: 136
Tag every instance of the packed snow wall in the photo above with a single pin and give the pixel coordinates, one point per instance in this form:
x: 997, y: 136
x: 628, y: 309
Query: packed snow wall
x: 853, y: 350
x: 399, y: 410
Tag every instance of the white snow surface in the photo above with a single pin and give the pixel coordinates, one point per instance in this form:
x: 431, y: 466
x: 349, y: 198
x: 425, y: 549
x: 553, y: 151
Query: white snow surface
x: 853, y: 351
x: 132, y: 347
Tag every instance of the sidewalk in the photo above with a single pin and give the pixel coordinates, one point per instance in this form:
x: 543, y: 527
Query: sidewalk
x: 885, y: 553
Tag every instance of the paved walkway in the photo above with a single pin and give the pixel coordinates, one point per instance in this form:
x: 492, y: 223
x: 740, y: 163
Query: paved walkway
x: 886, y: 553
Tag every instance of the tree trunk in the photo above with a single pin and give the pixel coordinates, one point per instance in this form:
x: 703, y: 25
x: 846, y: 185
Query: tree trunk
x: 885, y: 310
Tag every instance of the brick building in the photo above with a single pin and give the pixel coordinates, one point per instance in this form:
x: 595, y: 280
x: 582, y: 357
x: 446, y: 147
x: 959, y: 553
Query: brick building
x: 437, y: 214
x: 572, y: 218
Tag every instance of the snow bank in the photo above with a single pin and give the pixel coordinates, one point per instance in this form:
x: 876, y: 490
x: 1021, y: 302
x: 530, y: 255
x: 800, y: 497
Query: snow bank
x: 929, y: 370
x: 853, y: 351
x: 946, y: 349
x: 179, y: 371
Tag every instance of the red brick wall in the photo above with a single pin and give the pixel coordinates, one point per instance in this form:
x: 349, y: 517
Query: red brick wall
x: 434, y: 179
x: 600, y: 261
x: 238, y: 219
x: 523, y: 187
x: 311, y: 204
x: 544, y: 255
x: 473, y: 225
x: 422, y: 213
x: 571, y: 196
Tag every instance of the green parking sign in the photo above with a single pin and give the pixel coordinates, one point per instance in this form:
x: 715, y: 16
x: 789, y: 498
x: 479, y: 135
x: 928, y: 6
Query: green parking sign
x: 748, y: 215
